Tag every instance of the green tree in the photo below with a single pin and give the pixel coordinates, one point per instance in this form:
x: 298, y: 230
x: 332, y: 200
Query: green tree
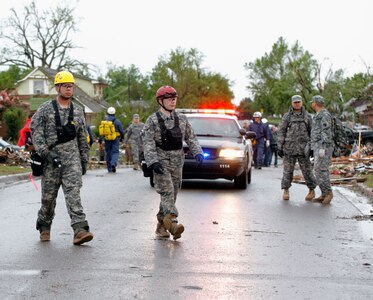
x: 196, y: 87
x: 126, y: 84
x: 14, y: 117
x: 39, y: 38
x: 355, y: 85
x: 245, y: 109
x: 9, y: 77
x: 129, y: 92
x: 278, y: 75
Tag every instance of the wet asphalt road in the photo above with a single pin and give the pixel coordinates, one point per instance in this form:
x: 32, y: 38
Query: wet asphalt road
x: 238, y: 244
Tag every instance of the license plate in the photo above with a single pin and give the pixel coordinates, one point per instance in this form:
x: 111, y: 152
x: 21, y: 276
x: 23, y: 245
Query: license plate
x: 224, y: 166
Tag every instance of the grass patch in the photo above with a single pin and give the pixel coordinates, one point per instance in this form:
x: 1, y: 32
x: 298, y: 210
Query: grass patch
x: 10, y: 170
x: 369, y: 182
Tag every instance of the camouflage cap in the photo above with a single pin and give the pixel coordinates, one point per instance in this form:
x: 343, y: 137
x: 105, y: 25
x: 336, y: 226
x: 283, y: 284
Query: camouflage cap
x: 296, y: 98
x: 136, y: 116
x: 318, y: 99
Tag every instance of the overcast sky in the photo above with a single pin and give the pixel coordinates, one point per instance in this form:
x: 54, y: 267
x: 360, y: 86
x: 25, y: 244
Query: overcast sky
x: 228, y: 32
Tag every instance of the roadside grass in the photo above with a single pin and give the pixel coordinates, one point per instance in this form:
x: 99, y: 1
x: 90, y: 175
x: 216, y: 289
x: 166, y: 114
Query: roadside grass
x: 369, y: 181
x: 11, y: 170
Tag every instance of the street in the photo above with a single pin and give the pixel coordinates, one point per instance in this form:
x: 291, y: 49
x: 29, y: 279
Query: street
x: 237, y: 244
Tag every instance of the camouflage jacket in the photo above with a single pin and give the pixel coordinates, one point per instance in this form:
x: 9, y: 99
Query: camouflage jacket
x: 152, y: 135
x: 44, y: 133
x: 294, y: 132
x: 133, y: 132
x: 322, y: 132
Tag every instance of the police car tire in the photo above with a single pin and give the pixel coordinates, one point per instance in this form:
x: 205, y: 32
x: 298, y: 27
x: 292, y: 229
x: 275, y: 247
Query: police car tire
x: 240, y: 181
x: 249, y: 176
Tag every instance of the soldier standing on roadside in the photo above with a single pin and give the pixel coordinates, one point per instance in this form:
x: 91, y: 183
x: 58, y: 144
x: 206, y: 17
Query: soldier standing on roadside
x: 164, y: 133
x: 133, y: 137
x: 294, y: 138
x: 60, y: 138
x: 322, y: 146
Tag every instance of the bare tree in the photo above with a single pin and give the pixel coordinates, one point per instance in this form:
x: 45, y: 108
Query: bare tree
x: 39, y: 38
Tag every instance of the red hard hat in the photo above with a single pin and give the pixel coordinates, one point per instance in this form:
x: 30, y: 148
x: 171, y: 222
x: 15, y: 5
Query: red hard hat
x: 166, y: 92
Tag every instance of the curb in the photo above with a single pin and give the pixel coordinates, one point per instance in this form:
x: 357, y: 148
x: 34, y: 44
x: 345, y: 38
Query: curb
x: 366, y: 191
x: 14, y: 178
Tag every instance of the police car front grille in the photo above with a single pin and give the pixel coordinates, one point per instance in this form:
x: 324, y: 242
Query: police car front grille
x: 210, y: 153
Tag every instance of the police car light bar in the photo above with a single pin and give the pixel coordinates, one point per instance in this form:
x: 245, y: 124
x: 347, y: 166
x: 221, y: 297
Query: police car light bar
x: 206, y: 111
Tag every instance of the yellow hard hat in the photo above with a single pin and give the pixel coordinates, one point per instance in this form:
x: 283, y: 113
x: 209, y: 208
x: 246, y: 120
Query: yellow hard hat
x: 64, y: 77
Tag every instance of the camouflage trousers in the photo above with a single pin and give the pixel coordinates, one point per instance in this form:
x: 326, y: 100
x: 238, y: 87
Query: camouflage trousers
x: 321, y: 169
x: 70, y: 177
x: 305, y: 166
x: 136, y: 150
x: 168, y: 186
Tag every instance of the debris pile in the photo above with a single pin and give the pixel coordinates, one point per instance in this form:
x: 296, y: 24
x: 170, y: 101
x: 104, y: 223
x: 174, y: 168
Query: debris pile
x: 346, y: 170
x: 11, y: 157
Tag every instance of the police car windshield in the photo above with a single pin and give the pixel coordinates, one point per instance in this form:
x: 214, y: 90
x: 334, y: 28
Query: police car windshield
x: 214, y: 127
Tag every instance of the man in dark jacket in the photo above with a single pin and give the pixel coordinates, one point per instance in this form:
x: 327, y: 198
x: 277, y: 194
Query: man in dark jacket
x: 262, y: 138
x: 294, y: 144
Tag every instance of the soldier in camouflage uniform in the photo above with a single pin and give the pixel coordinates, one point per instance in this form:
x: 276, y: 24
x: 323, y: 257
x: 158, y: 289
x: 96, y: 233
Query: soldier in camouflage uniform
x: 164, y: 154
x: 65, y: 153
x: 294, y: 136
x: 133, y: 137
x: 322, y: 146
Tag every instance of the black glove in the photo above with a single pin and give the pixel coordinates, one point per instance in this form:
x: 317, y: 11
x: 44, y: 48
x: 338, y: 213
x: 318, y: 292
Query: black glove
x: 84, y: 168
x: 199, y: 159
x: 157, y: 168
x: 56, y: 162
x: 311, y: 153
x: 280, y: 153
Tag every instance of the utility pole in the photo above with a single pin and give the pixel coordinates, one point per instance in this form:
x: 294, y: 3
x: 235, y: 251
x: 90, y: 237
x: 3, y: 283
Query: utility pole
x: 129, y: 87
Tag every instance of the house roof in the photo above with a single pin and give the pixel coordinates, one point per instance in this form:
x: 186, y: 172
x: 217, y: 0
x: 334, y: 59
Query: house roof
x: 89, y: 104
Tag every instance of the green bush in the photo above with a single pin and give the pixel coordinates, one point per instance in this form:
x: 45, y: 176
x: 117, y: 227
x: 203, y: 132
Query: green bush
x: 14, y: 118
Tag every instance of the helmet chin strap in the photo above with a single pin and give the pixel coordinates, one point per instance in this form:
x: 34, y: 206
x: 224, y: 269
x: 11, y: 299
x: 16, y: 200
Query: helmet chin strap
x: 159, y: 102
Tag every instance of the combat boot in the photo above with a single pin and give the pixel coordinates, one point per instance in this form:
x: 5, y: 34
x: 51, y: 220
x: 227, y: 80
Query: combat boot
x: 328, y: 197
x: 161, y: 231
x: 170, y: 223
x: 136, y: 167
x: 310, y: 195
x: 81, y: 237
x: 45, y: 235
x: 319, y: 199
x: 285, y: 195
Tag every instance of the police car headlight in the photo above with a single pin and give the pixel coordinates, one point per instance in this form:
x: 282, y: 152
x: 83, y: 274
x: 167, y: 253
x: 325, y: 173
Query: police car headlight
x: 231, y: 153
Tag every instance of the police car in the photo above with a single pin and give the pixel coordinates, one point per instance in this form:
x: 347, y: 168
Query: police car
x: 227, y: 147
